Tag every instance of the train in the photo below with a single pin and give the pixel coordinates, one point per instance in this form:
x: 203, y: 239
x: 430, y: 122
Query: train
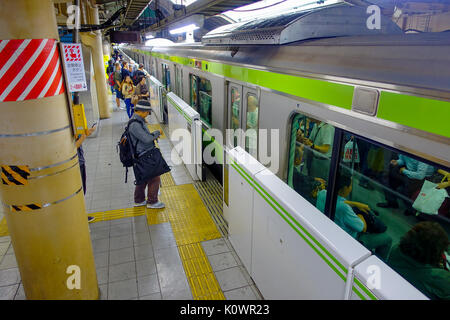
x: 346, y: 100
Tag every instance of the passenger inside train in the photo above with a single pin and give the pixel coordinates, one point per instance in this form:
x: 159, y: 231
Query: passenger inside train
x: 420, y: 258
x: 392, y: 203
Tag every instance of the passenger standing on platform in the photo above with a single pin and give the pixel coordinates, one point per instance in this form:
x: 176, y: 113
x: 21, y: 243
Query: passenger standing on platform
x: 128, y: 91
x: 125, y: 71
x: 142, y: 92
x: 140, y: 72
x: 149, y: 164
x: 118, y: 84
x: 82, y: 161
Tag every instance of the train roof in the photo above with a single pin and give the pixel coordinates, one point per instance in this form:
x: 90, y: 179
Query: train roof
x: 290, y: 26
x: 399, y: 61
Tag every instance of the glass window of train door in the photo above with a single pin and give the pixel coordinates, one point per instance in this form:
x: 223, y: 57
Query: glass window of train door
x: 251, y: 120
x: 311, y: 144
x: 179, y: 81
x: 205, y: 100
x: 164, y: 75
x: 234, y: 113
x: 193, y: 91
x: 176, y: 80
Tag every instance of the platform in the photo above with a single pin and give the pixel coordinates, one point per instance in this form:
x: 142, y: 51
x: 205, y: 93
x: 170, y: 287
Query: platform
x: 179, y: 252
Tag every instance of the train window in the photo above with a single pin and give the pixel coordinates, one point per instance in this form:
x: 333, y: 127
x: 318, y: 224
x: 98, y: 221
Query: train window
x: 309, y: 159
x: 201, y: 97
x: 235, y: 112
x: 251, y: 137
x: 398, y: 207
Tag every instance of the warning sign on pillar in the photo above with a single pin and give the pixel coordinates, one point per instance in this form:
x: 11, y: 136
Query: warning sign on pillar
x: 74, y: 67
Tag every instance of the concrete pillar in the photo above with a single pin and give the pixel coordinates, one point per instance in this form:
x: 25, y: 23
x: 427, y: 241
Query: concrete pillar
x: 44, y: 202
x: 94, y: 41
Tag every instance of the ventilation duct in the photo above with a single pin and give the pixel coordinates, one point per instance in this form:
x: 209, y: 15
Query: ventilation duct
x: 324, y: 22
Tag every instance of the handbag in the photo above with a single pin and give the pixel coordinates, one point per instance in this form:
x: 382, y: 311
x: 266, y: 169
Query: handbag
x: 430, y: 198
x: 373, y: 223
x: 149, y: 165
x: 348, y: 152
x: 134, y: 100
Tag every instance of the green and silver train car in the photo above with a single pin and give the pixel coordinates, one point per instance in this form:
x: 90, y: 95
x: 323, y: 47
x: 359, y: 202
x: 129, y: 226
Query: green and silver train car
x: 350, y: 104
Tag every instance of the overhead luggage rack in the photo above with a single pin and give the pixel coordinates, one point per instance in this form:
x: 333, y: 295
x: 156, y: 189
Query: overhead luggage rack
x: 331, y: 21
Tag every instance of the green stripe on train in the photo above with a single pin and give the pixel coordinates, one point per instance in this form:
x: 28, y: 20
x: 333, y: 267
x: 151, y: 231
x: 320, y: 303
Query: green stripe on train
x: 267, y: 196
x: 417, y: 112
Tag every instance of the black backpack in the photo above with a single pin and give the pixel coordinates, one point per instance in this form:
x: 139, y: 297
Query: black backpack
x: 126, y: 149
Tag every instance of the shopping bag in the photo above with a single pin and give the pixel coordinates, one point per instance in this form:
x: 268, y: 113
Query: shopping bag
x: 430, y: 198
x: 348, y: 152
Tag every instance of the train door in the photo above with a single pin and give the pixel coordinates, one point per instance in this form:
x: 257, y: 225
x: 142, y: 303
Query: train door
x: 243, y: 107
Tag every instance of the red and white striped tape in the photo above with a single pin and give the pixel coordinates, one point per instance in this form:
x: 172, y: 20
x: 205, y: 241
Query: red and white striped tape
x: 29, y: 69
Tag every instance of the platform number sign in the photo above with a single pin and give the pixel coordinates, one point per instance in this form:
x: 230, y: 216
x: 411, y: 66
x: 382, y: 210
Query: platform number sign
x: 74, y: 67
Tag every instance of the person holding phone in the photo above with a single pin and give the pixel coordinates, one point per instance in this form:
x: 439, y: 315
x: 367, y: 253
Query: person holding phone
x: 81, y: 159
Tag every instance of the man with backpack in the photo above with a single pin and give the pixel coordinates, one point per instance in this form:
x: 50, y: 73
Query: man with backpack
x: 138, y: 143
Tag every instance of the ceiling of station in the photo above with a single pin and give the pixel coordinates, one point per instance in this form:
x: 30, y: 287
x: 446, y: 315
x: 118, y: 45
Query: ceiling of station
x: 207, y: 8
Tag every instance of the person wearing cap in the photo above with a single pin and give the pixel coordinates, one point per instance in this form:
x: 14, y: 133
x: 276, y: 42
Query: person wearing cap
x: 144, y: 140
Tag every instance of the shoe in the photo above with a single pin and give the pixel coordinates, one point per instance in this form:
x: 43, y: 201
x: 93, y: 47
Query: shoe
x: 157, y: 205
x: 90, y: 219
x: 143, y: 203
x: 387, y: 205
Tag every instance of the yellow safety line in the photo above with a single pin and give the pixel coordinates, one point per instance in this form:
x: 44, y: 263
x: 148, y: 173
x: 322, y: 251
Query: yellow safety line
x: 3, y: 228
x: 167, y: 180
x: 191, y: 224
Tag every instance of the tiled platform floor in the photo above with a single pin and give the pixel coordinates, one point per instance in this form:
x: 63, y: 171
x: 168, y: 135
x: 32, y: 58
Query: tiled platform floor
x: 134, y: 260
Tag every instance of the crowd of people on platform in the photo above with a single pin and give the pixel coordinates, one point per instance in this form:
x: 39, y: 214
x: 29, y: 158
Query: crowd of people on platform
x: 129, y: 84
x: 127, y: 81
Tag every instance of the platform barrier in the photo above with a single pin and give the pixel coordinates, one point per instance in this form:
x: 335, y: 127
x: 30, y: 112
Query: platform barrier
x: 182, y: 116
x: 156, y: 98
x: 291, y: 249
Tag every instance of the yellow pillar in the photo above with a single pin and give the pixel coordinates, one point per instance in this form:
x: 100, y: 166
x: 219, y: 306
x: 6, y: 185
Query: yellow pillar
x: 94, y: 41
x: 44, y: 202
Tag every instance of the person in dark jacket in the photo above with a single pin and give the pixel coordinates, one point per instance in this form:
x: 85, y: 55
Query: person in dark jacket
x: 141, y: 91
x: 144, y: 140
x: 420, y: 259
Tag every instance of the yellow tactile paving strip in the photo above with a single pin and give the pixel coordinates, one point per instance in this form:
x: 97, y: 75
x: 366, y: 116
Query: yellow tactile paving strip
x: 191, y: 223
x: 167, y: 180
x: 3, y: 228
x: 118, y: 214
x: 200, y: 275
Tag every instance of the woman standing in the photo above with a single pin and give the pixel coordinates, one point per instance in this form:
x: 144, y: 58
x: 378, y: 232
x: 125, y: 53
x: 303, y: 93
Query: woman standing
x: 142, y: 92
x: 128, y: 91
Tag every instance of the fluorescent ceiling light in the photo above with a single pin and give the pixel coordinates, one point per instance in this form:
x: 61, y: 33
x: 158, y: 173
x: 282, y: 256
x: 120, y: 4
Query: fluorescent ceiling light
x: 188, y: 28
